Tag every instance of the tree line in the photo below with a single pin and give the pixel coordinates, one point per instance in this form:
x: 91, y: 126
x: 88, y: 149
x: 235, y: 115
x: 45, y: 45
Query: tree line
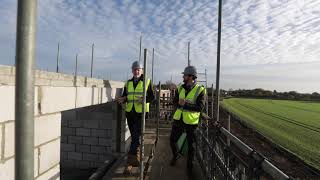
x: 261, y: 93
x: 257, y: 93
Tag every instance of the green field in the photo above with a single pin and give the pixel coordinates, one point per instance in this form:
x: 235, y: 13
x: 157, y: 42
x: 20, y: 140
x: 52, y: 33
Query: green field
x: 294, y: 125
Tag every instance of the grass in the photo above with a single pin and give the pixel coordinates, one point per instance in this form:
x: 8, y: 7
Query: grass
x: 294, y: 125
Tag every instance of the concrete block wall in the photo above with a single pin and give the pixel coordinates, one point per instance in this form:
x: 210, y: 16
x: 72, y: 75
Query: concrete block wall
x: 88, y: 136
x: 54, y: 93
x: 46, y: 148
x: 45, y: 78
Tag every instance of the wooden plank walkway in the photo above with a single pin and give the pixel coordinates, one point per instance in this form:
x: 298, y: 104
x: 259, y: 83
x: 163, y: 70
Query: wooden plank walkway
x: 118, y: 169
x: 157, y: 161
x: 161, y: 169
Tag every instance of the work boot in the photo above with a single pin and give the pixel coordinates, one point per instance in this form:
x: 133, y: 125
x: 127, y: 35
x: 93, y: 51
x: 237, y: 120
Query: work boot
x: 130, y: 159
x: 137, y: 157
x: 133, y: 160
x: 174, y: 160
x: 128, y: 168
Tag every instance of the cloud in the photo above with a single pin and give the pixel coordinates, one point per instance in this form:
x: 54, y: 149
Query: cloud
x: 255, y: 34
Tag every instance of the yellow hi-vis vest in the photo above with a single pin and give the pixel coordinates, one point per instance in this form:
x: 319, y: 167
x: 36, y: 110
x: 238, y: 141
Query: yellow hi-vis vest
x: 134, y: 95
x: 189, y: 117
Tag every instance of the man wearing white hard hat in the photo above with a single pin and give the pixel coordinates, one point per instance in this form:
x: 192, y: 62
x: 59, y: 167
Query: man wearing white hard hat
x: 133, y: 97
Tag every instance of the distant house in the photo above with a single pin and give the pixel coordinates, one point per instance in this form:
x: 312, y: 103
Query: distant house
x: 165, y: 93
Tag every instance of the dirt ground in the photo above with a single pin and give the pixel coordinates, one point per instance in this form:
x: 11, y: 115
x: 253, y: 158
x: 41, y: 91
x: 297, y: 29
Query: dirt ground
x: 286, y: 162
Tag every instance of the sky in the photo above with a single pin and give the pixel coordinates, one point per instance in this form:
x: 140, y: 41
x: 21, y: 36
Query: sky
x: 270, y: 44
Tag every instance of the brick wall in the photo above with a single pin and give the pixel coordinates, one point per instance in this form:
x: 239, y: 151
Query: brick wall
x: 46, y: 150
x: 50, y: 101
x: 45, y: 78
x: 90, y: 136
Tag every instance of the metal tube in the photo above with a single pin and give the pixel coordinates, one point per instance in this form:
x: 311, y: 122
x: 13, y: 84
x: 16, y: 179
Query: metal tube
x: 228, y: 126
x: 212, y: 101
x: 266, y: 165
x: 218, y: 62
x: 236, y: 141
x: 158, y: 113
x: 143, y: 114
x: 152, y: 66
x: 207, y: 104
x: 92, y: 51
x: 228, y: 139
x: 76, y: 68
x: 76, y: 72
x: 24, y: 90
x: 58, y: 57
x: 206, y: 76
x: 189, y: 54
x: 273, y: 171
x: 140, y: 48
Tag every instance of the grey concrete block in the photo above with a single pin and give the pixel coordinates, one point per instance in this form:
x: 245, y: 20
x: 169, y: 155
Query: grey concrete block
x: 90, y: 157
x: 83, y: 114
x: 64, y: 122
x: 68, y: 147
x: 98, y: 149
x: 104, y: 157
x: 105, y: 142
x: 83, y: 132
x: 82, y: 164
x: 75, y: 139
x: 105, y: 124
x: 75, y: 123
x: 83, y: 148
x: 110, y: 133
x: 90, y: 140
x: 69, y: 115
x: 64, y: 155
x: 91, y: 123
x: 64, y: 139
x: 66, y: 131
x: 67, y: 163
x: 101, y: 116
x: 74, y: 155
x: 109, y: 149
x: 96, y: 164
x: 98, y: 133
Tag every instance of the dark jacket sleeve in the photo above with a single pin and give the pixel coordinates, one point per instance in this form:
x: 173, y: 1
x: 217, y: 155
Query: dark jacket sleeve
x: 176, y: 99
x: 125, y: 92
x: 200, y: 103
x: 150, y: 94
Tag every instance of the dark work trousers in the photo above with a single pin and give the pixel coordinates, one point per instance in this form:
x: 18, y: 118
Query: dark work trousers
x: 178, y: 127
x: 134, y: 123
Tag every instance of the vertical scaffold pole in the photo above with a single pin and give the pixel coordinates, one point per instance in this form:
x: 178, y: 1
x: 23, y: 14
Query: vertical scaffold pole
x: 24, y: 90
x: 143, y: 114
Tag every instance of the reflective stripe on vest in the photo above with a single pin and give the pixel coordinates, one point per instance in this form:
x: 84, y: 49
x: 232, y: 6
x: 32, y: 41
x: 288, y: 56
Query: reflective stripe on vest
x: 189, y: 117
x: 134, y: 94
